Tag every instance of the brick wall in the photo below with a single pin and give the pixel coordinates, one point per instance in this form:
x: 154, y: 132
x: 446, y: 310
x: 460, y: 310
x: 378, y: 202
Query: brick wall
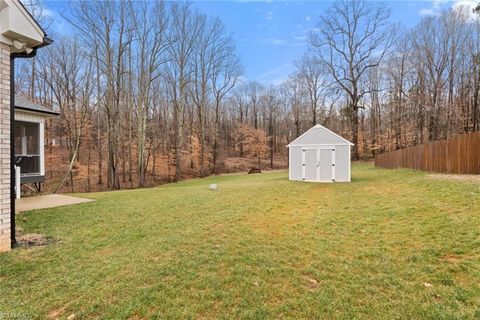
x: 4, y: 147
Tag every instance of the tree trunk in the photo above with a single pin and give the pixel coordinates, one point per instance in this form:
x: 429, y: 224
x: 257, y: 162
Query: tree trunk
x: 354, y: 124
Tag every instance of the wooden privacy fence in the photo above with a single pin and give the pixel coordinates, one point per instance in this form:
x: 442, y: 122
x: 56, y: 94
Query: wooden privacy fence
x: 460, y: 154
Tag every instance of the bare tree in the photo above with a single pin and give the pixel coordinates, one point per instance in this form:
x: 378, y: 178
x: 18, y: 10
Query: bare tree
x: 105, y: 28
x: 270, y: 100
x: 240, y: 98
x: 254, y: 91
x: 69, y: 73
x: 294, y: 94
x: 312, y: 73
x: 353, y: 37
x: 208, y: 50
x: 186, y: 26
x: 150, y: 44
x: 226, y: 72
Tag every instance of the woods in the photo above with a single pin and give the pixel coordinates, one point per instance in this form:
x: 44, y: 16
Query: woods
x: 155, y: 91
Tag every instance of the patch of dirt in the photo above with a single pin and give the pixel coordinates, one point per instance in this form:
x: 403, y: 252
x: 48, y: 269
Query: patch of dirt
x: 312, y: 283
x: 55, y: 313
x: 436, y: 296
x: 451, y: 258
x: 32, y: 239
x: 475, y: 178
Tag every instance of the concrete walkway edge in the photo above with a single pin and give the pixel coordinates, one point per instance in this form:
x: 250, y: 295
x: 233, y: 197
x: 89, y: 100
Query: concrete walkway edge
x: 47, y: 201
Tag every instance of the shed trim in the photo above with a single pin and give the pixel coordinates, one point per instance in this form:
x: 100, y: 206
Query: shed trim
x: 319, y: 145
x: 292, y: 144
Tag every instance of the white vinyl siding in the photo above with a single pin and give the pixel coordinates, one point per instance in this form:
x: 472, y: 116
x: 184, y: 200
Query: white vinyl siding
x: 319, y: 155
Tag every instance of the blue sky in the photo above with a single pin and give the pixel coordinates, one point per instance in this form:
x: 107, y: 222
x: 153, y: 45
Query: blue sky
x: 270, y: 35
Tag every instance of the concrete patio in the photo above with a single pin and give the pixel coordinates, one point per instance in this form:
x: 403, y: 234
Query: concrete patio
x: 47, y: 201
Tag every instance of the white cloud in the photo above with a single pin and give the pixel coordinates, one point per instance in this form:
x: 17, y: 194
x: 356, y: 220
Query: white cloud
x: 426, y: 12
x: 438, y: 5
x: 277, y: 42
x: 434, y: 9
x: 276, y: 75
x: 47, y: 13
x: 269, y: 15
x: 466, y: 6
x: 282, y: 42
x: 300, y: 38
x: 308, y: 18
x: 471, y: 4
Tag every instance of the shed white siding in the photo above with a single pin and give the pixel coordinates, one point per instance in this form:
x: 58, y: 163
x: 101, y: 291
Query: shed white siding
x: 319, y: 155
x: 294, y: 165
x: 342, y: 163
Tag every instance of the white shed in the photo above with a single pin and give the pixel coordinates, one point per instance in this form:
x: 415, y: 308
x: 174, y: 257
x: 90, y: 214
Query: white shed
x: 319, y: 155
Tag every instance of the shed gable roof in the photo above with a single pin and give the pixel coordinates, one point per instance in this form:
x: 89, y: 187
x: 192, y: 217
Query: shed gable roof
x: 319, y: 135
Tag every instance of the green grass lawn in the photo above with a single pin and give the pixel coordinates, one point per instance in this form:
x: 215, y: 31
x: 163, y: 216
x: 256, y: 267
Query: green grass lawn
x: 393, y: 244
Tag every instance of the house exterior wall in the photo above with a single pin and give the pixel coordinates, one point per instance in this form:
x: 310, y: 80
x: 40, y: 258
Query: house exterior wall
x: 4, y: 147
x: 15, y: 24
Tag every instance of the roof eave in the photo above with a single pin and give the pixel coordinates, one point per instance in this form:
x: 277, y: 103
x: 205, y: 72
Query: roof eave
x: 292, y: 144
x: 333, y: 144
x: 19, y: 25
x: 48, y: 112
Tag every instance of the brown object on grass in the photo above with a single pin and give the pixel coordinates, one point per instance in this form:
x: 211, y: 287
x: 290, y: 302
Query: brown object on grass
x: 254, y: 170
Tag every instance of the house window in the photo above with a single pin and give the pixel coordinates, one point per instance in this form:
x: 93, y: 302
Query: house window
x: 27, y: 147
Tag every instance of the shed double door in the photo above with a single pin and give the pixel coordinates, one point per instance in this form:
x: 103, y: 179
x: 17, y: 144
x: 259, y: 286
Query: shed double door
x: 318, y: 164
